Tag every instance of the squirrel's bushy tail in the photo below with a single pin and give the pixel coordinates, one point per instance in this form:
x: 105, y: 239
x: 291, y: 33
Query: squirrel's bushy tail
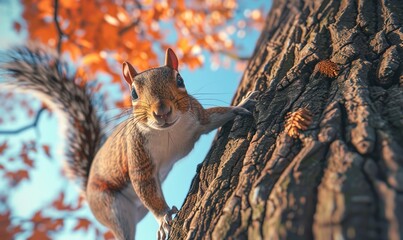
x: 37, y: 69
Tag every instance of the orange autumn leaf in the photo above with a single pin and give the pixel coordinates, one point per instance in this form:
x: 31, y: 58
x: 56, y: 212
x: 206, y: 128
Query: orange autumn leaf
x: 45, y: 34
x: 45, y: 6
x: 109, y: 36
x: 123, y: 104
x: 91, y: 58
x: 84, y: 43
x: 184, y: 45
x: 70, y: 4
x: 74, y: 50
x: 82, y: 224
x: 120, y: 27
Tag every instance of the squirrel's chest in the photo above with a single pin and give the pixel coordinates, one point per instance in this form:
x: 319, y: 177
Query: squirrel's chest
x: 167, y: 147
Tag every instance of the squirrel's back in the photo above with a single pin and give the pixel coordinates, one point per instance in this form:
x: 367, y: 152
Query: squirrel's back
x: 37, y: 69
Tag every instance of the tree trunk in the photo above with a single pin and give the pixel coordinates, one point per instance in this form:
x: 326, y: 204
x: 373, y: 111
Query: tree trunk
x: 342, y: 177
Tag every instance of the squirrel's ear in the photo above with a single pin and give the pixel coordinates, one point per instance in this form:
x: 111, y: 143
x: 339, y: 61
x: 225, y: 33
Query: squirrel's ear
x: 171, y: 60
x: 129, y: 73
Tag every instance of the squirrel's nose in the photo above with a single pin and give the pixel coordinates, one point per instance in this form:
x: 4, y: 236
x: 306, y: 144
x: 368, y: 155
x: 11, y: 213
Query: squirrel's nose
x: 162, y: 111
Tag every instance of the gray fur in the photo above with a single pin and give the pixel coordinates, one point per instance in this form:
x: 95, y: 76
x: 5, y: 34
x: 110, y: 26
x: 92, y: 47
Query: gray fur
x: 37, y: 69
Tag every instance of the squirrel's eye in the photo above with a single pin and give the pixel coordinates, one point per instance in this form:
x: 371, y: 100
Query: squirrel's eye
x: 179, y: 81
x: 134, y: 94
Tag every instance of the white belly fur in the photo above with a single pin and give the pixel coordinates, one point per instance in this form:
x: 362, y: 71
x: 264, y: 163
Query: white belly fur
x: 168, y: 146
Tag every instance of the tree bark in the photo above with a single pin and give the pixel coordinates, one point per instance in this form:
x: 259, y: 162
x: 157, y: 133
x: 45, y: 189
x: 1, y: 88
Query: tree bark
x: 341, y: 178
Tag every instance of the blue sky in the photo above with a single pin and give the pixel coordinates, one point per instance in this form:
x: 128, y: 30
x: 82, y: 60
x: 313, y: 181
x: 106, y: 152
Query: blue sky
x: 216, y: 88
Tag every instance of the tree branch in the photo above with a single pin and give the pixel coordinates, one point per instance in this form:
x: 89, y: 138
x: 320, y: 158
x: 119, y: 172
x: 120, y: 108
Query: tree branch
x: 234, y: 56
x: 128, y: 27
x: 59, y: 29
x: 19, y: 130
x: 134, y: 22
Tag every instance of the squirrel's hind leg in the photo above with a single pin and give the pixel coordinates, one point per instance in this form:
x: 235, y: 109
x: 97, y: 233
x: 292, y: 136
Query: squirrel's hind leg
x: 118, y: 211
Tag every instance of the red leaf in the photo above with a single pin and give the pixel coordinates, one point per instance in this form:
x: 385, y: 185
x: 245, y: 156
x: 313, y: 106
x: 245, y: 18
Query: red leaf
x: 60, y: 205
x: 46, y: 223
x: 59, y: 202
x: 5, y: 218
x: 17, y: 27
x: 39, y: 235
x: 38, y: 218
x: 18, y: 176
x: 3, y: 147
x: 46, y: 149
x: 82, y: 224
x: 7, y: 230
x: 15, y: 230
x: 54, y: 224
x: 27, y: 160
x: 108, y: 235
x: 30, y: 112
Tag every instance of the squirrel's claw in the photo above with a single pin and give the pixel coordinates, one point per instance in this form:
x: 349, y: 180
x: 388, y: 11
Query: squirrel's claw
x: 249, y: 99
x: 165, y: 228
x: 252, y: 94
x: 242, y: 111
x: 165, y: 225
x: 161, y: 235
x: 174, y: 210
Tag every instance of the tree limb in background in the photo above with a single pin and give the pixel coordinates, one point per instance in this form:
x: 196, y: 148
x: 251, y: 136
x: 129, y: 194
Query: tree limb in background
x: 234, y: 55
x: 59, y: 29
x: 19, y: 130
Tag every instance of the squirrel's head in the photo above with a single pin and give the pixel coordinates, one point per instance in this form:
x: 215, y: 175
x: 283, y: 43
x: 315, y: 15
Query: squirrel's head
x: 158, y: 95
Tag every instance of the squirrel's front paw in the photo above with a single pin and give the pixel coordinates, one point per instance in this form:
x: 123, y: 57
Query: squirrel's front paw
x: 241, y: 111
x: 249, y: 100
x: 165, y: 224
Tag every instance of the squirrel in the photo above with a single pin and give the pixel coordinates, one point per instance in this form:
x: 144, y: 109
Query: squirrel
x: 121, y: 176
